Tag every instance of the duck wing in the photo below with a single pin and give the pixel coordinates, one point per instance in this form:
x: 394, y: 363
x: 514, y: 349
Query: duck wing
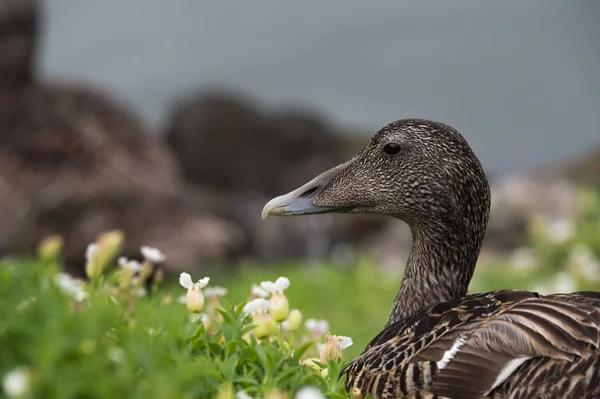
x: 587, y: 297
x: 467, y: 348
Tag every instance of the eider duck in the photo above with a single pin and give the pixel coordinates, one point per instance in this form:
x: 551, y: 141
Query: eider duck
x: 440, y: 342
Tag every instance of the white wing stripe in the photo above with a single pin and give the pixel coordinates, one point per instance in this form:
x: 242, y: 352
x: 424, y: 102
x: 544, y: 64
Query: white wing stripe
x: 450, y: 353
x: 508, y: 369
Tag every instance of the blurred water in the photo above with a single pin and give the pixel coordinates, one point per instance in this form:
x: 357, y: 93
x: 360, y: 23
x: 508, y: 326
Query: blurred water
x: 518, y: 78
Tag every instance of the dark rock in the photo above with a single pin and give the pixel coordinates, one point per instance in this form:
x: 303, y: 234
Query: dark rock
x: 245, y: 156
x: 76, y: 162
x: 18, y: 32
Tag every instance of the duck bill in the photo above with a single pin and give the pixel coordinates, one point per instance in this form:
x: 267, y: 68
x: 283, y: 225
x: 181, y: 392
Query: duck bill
x: 300, y: 201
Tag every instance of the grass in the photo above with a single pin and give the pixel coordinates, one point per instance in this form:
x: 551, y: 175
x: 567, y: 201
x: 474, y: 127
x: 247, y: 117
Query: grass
x: 114, y: 343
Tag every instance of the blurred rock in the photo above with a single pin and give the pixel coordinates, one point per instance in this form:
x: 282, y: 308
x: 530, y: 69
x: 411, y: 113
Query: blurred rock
x: 76, y: 162
x: 225, y: 143
x: 245, y: 156
x: 582, y: 169
x: 518, y: 199
x: 18, y: 31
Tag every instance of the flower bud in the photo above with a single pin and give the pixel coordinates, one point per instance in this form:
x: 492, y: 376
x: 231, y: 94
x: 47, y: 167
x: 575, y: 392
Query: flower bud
x: 50, y: 248
x: 310, y: 362
x: 276, y: 394
x: 110, y: 244
x: 194, y: 300
x: 280, y: 307
x: 262, y: 325
x: 294, y: 320
x: 92, y: 268
x: 355, y: 393
x: 225, y: 391
x: 101, y: 253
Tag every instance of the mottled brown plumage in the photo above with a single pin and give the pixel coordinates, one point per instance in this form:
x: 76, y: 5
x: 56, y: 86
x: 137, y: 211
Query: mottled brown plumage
x: 439, y: 342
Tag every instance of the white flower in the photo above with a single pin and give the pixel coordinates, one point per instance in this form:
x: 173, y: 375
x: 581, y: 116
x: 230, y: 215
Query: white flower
x: 153, y: 255
x: 242, y: 395
x: 258, y: 305
x: 215, y: 291
x: 332, y: 349
x: 70, y: 286
x: 317, y: 327
x: 259, y: 292
x: 200, y: 317
x: 194, y: 297
x: 561, y: 283
x: 264, y: 324
x: 131, y: 265
x: 116, y: 354
x: 186, y: 282
x: 523, y: 259
x: 309, y: 393
x: 16, y: 382
x: 280, y: 307
x: 560, y: 231
x: 584, y: 262
x: 278, y: 286
x: 91, y: 251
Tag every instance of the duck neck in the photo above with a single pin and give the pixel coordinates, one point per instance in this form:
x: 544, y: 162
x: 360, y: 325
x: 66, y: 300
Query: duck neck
x: 439, y: 268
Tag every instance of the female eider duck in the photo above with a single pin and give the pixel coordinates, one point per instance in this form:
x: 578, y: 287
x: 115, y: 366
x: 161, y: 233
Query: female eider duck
x: 440, y: 342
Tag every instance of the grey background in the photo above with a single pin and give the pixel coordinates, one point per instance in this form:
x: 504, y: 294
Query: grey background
x: 519, y: 78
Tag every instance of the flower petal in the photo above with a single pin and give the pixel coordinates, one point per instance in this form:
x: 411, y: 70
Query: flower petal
x: 282, y: 283
x: 215, y: 291
x: 256, y: 305
x: 309, y: 393
x: 132, y: 265
x: 268, y: 286
x: 345, y: 342
x: 259, y: 292
x: 242, y: 395
x: 203, y: 282
x: 186, y: 280
x: 322, y: 326
x: 153, y: 254
x: 91, y: 251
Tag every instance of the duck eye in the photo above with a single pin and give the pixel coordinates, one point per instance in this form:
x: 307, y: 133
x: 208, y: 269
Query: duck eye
x: 391, y: 148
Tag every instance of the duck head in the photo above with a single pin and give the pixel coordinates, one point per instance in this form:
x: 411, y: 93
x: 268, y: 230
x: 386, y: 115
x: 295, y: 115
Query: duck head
x: 416, y: 170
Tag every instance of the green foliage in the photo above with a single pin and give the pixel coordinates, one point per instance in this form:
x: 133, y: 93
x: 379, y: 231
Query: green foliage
x: 111, y: 345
